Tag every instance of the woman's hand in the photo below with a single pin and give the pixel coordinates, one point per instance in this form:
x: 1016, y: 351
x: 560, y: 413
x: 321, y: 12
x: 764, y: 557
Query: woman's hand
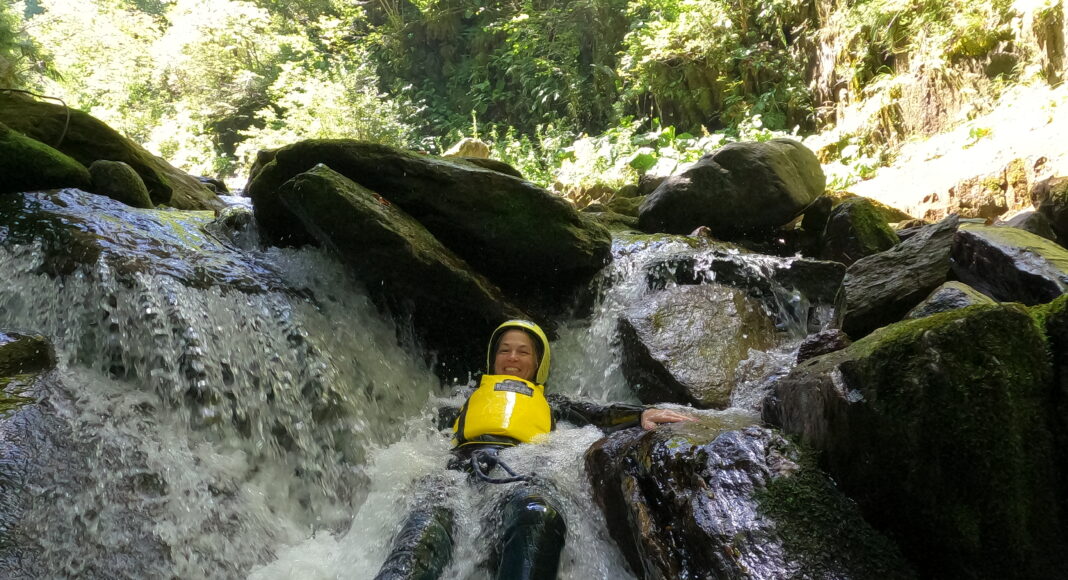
x: 653, y: 417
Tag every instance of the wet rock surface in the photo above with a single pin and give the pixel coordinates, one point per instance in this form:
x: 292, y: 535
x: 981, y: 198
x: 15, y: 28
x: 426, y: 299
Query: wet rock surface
x: 1010, y: 264
x: 739, y: 188
x: 854, y: 230
x: 949, y: 296
x: 120, y: 182
x: 683, y: 343
x: 939, y: 429
x: 883, y: 287
x: 718, y: 499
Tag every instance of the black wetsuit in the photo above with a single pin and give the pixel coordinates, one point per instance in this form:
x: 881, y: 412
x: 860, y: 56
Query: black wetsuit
x: 533, y: 529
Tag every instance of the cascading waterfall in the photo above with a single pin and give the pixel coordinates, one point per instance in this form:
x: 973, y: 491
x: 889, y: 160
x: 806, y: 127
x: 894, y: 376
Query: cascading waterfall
x: 202, y: 432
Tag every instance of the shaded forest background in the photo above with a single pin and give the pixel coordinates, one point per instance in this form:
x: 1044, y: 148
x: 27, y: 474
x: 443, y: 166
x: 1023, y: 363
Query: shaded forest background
x: 578, y: 95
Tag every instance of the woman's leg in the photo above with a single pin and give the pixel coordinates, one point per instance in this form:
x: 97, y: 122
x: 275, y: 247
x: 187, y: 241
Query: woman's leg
x: 533, y: 535
x: 423, y: 547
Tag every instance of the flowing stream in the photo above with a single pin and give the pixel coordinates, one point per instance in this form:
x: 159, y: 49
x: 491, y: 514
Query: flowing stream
x: 279, y: 431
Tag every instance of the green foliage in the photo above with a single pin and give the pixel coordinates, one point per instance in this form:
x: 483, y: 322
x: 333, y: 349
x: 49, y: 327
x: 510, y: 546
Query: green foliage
x: 20, y: 65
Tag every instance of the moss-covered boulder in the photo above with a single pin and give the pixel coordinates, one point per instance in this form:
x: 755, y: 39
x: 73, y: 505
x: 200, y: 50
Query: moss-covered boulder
x: 682, y: 344
x: 1031, y: 221
x: 736, y: 190
x: 1052, y: 318
x: 491, y: 164
x: 120, y: 182
x: 1010, y: 264
x: 400, y: 263
x: 718, y: 499
x: 952, y: 295
x: 25, y: 354
x: 28, y: 165
x: 524, y: 238
x: 626, y: 205
x: 939, y: 429
x: 1051, y: 198
x: 87, y: 139
x: 880, y: 289
x: 855, y: 229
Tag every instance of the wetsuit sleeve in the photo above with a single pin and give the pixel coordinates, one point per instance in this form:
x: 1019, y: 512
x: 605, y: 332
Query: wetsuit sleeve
x: 608, y: 417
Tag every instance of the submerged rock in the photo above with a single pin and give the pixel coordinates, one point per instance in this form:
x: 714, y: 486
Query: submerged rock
x: 854, y: 230
x: 399, y: 261
x: 513, y: 232
x: 22, y: 354
x: 710, y: 501
x: 949, y: 296
x: 740, y: 188
x: 27, y: 164
x: 880, y: 289
x: 87, y: 139
x: 682, y: 344
x: 1010, y: 264
x: 939, y: 429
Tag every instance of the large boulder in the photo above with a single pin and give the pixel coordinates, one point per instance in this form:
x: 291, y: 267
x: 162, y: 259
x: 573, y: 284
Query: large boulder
x: 882, y: 288
x: 1050, y: 196
x: 951, y: 295
x: 738, y: 189
x: 400, y: 262
x: 120, y: 182
x: 1010, y: 264
x: 855, y: 229
x: 515, y: 233
x: 939, y: 429
x: 1031, y: 221
x: 27, y: 165
x: 722, y: 500
x: 683, y: 343
x: 1053, y: 318
x: 87, y: 139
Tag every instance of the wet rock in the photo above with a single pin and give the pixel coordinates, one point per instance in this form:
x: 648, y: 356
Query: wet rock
x: 1031, y: 221
x: 27, y: 164
x: 87, y: 139
x: 120, y: 182
x: 237, y: 224
x: 513, y: 232
x: 615, y: 222
x: 216, y: 185
x: 738, y: 189
x: 816, y: 215
x: 939, y: 429
x: 854, y: 230
x: 682, y: 344
x: 1010, y: 264
x: 730, y: 502
x: 25, y: 354
x: 1053, y: 319
x: 626, y: 205
x: 821, y: 343
x: 77, y: 230
x: 399, y: 261
x: 949, y: 296
x: 882, y: 288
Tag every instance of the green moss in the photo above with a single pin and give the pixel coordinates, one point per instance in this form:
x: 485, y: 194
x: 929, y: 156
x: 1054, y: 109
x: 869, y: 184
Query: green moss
x: 27, y: 164
x: 819, y: 525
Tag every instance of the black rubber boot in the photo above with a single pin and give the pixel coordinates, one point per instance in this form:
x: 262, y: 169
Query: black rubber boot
x: 423, y: 547
x: 534, y: 534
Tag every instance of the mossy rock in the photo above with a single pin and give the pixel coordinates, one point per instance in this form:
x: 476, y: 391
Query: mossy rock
x: 28, y: 165
x: 1052, y: 318
x: 1010, y: 264
x: 120, y: 182
x: 87, y: 139
x: 856, y: 229
x: 939, y: 429
x: 626, y: 205
x: 22, y: 354
x: 951, y: 295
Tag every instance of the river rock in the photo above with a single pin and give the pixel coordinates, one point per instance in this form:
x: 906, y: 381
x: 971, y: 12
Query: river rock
x: 952, y: 295
x: 855, y: 229
x: 120, y: 182
x: 1054, y: 320
x: 682, y: 344
x: 491, y: 164
x: 822, y: 342
x: 1010, y: 264
x: 939, y: 429
x: 87, y: 139
x: 400, y: 262
x: 468, y: 147
x: 702, y: 501
x: 626, y: 205
x: 522, y: 237
x: 25, y: 354
x: 27, y: 164
x: 1051, y: 198
x: 738, y: 189
x: 1031, y: 221
x: 882, y: 288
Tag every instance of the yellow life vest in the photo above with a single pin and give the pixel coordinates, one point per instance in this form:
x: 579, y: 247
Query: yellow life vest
x: 503, y: 406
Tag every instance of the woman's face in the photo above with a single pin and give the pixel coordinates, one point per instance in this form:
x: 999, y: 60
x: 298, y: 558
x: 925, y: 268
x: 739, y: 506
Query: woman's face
x: 516, y: 355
